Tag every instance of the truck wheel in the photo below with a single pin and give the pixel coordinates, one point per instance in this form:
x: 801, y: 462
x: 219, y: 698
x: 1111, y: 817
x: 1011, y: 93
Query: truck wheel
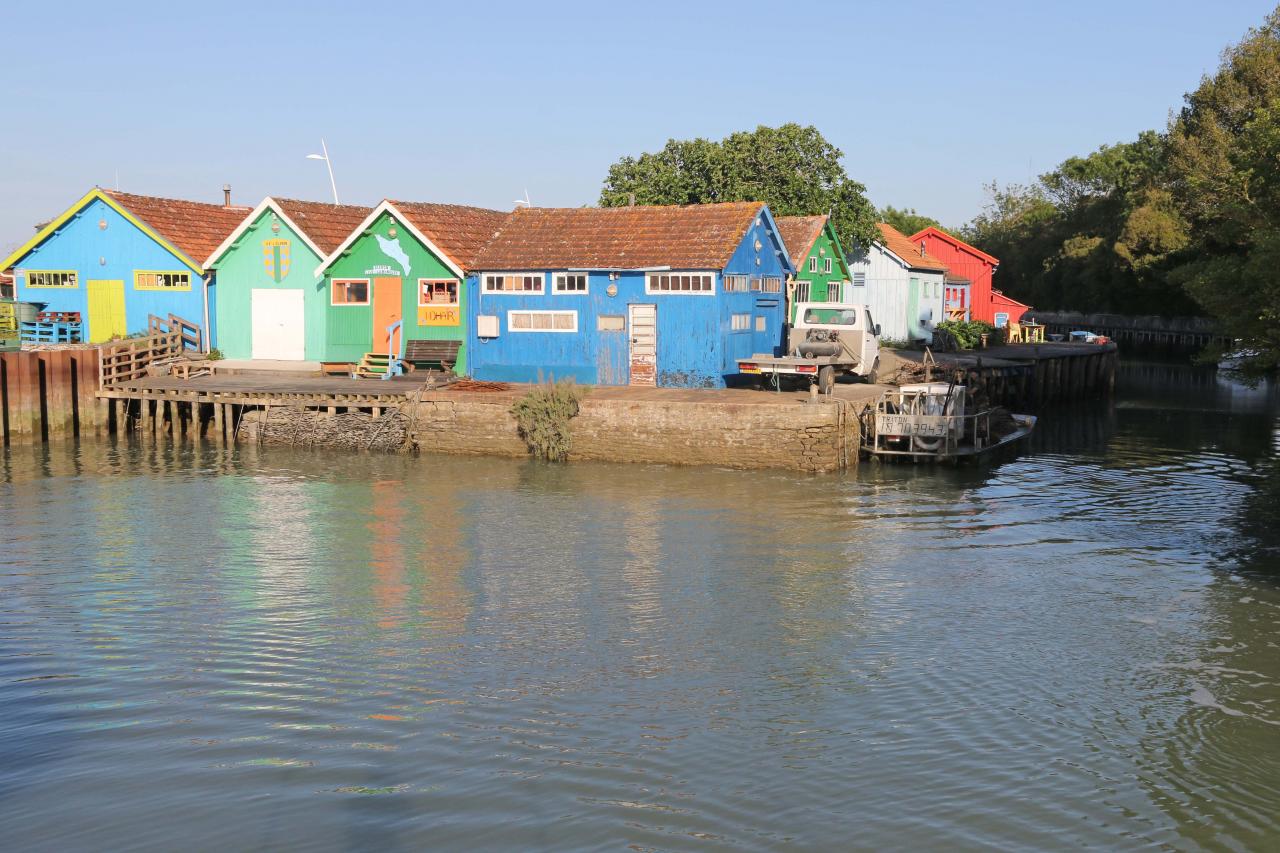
x: 873, y: 377
x: 826, y: 379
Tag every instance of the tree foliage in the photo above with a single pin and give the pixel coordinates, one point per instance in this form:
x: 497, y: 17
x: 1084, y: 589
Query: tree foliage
x: 1224, y: 178
x: 907, y: 220
x: 1174, y: 222
x: 791, y: 168
x: 1091, y: 235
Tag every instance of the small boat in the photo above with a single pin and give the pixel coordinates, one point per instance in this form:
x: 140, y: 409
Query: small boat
x: 935, y: 420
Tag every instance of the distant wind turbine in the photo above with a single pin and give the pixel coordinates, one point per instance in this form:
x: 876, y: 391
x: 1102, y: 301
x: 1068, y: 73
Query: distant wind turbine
x: 525, y: 201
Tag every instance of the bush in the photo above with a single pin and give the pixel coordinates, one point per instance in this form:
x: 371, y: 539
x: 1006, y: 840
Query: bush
x: 543, y: 417
x: 214, y: 354
x: 969, y: 335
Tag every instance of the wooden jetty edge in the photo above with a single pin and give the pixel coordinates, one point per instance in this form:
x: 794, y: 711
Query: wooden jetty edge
x: 117, y: 389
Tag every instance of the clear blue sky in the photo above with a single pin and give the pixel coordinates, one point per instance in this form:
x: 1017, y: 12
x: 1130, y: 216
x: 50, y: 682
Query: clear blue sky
x: 472, y: 102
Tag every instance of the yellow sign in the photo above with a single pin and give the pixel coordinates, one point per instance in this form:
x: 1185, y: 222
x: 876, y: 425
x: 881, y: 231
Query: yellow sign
x: 430, y: 315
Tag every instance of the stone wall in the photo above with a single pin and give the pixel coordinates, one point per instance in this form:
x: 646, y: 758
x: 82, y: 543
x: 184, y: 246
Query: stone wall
x: 793, y: 435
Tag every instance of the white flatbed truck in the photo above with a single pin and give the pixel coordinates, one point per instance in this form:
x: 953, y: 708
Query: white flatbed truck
x: 827, y: 340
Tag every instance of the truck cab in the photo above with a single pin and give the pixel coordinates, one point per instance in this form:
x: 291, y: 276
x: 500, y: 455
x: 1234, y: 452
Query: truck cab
x: 827, y: 339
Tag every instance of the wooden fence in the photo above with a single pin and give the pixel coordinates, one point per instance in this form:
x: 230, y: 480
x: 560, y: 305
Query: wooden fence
x: 50, y: 393
x: 129, y: 359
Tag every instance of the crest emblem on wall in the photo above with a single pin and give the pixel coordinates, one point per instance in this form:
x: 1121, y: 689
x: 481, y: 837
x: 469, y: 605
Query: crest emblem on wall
x: 275, y: 255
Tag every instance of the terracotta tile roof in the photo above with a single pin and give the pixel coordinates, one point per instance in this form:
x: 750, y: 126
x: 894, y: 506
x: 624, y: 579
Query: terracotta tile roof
x: 900, y: 244
x: 952, y: 278
x: 700, y: 236
x: 327, y: 225
x: 799, y: 233
x: 459, y: 231
x: 194, y: 227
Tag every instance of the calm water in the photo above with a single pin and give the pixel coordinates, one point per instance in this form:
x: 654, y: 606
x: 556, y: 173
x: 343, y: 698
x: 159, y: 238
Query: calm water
x: 238, y: 650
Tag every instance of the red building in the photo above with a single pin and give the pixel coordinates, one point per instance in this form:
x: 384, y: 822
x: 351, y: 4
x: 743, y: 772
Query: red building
x: 965, y: 262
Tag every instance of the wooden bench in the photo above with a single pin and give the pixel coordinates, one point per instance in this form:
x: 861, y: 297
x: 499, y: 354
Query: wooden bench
x: 431, y: 353
x: 337, y: 368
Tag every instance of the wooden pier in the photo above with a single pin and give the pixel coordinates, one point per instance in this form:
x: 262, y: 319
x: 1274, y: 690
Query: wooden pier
x: 213, y: 407
x: 1027, y: 377
x: 48, y: 394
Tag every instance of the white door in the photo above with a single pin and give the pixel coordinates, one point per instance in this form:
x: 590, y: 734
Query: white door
x: 644, y: 344
x: 278, y: 325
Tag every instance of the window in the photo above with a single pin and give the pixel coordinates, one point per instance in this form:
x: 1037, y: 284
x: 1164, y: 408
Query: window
x: 569, y: 282
x: 813, y: 264
x: 771, y: 284
x: 826, y: 265
x: 51, y: 278
x: 859, y: 279
x: 514, y: 282
x: 1002, y: 319
x: 831, y: 317
x: 802, y: 291
x: 835, y: 290
x: 740, y: 322
x: 437, y: 291
x: 159, y: 280
x: 762, y: 324
x: 611, y: 323
x: 542, y: 321
x: 683, y: 282
x: 755, y: 284
x: 350, y: 291
x: 735, y: 284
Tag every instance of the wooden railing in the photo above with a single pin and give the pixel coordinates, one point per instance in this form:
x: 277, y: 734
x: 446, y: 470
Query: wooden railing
x: 191, y: 334
x: 129, y: 359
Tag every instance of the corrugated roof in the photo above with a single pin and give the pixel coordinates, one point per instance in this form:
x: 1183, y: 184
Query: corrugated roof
x: 326, y: 225
x: 702, y: 237
x: 902, y: 246
x: 193, y: 227
x: 457, y: 230
x: 799, y: 233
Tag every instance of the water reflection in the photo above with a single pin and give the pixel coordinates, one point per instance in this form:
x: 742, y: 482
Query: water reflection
x: 1074, y: 645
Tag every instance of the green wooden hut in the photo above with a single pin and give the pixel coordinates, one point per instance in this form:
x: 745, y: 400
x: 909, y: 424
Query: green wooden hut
x: 271, y: 301
x: 405, y: 263
x: 819, y: 259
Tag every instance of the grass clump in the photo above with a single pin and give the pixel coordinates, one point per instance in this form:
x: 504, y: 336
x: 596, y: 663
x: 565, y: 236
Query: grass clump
x: 543, y: 416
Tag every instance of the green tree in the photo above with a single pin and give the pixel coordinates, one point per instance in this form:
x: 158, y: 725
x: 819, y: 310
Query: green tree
x: 1224, y: 178
x: 791, y: 168
x: 907, y: 220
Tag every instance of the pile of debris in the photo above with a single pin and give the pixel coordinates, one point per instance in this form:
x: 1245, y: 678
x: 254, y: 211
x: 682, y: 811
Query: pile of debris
x: 299, y: 427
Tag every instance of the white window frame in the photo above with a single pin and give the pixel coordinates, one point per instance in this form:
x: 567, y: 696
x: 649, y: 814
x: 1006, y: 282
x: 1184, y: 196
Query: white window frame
x: 735, y: 279
x: 813, y: 263
x: 511, y: 327
x: 804, y: 288
x: 740, y: 322
x: 826, y: 266
x: 651, y: 291
x: 775, y: 286
x: 556, y: 278
x: 368, y: 292
x: 457, y: 290
x: 542, y: 284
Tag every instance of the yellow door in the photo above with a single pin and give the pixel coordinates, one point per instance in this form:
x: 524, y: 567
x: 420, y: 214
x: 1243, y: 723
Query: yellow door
x: 106, y: 310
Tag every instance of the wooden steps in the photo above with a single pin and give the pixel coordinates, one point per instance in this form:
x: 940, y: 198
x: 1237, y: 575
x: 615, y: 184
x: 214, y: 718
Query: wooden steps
x: 373, y: 365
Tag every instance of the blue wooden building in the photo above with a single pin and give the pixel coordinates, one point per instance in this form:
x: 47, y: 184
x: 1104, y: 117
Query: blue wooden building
x: 668, y: 296
x: 117, y: 257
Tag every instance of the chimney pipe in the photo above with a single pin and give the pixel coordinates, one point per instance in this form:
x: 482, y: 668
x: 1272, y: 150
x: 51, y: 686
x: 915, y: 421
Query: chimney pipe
x: 226, y: 195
